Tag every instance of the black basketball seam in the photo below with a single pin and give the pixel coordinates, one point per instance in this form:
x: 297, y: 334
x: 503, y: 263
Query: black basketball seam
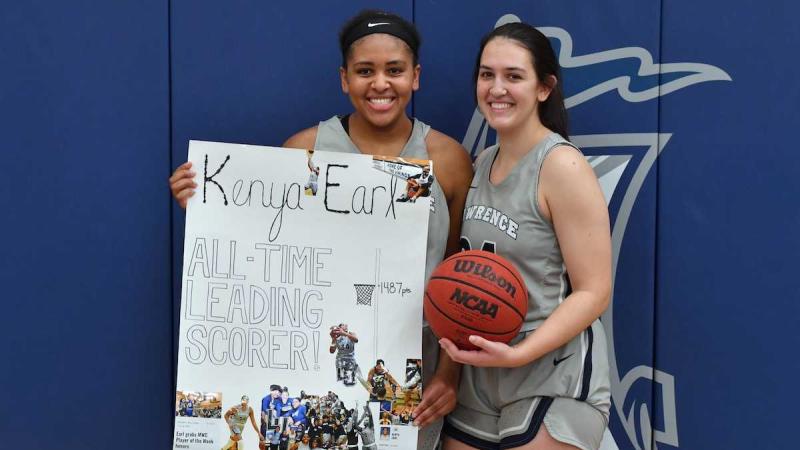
x: 482, y: 290
x: 459, y: 323
x: 464, y: 254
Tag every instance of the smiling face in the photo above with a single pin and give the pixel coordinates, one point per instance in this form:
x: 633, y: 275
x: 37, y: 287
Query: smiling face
x: 379, y: 78
x: 507, y: 89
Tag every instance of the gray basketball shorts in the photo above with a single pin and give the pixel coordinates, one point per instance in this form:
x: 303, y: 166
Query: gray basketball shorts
x: 567, y: 390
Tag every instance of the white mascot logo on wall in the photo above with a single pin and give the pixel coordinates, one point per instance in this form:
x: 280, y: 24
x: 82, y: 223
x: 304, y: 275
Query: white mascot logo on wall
x: 609, y: 170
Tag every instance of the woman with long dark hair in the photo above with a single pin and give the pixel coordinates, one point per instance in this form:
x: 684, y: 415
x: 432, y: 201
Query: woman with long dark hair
x: 548, y: 388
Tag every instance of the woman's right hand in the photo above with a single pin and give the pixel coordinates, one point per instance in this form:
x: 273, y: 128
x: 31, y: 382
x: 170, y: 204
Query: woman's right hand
x: 182, y: 184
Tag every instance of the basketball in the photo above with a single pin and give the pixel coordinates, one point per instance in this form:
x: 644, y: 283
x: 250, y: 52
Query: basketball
x: 475, y: 293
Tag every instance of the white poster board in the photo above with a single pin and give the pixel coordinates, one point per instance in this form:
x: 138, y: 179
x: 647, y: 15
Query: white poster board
x: 283, y: 249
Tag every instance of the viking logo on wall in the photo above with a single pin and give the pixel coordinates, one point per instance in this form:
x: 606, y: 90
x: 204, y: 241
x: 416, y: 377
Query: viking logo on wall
x: 622, y: 162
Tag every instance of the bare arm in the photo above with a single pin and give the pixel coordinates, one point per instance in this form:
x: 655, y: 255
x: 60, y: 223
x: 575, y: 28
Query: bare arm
x: 350, y: 335
x: 439, y: 397
x: 255, y: 427
x: 575, y: 204
x: 453, y: 168
x: 304, y: 139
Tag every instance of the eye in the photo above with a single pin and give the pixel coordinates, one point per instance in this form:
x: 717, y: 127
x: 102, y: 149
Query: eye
x: 363, y: 71
x: 485, y: 75
x: 395, y: 71
x: 514, y: 77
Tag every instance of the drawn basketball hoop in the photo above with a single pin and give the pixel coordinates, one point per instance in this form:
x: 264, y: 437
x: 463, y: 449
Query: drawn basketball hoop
x: 364, y: 294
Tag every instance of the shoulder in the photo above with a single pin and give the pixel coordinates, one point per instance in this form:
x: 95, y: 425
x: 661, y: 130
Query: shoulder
x: 442, y: 148
x: 566, y: 176
x: 564, y: 162
x: 453, y: 162
x: 304, y: 139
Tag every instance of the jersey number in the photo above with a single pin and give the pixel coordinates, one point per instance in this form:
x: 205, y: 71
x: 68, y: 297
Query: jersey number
x: 488, y: 246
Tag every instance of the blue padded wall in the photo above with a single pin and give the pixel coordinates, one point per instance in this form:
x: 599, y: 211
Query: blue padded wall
x: 686, y: 109
x: 728, y: 221
x: 87, y: 338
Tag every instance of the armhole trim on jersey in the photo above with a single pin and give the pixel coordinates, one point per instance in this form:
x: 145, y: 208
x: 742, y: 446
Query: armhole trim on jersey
x: 426, y: 129
x: 539, y: 164
x: 316, y: 138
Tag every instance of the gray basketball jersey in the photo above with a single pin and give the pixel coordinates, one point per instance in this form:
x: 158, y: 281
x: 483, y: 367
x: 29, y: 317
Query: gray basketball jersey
x: 505, y: 219
x: 239, y: 418
x: 345, y: 348
x: 331, y: 137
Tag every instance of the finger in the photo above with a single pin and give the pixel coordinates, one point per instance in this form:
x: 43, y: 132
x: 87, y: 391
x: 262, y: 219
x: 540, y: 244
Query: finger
x: 448, y: 346
x: 184, y: 194
x: 442, y: 406
x: 182, y: 184
x: 426, y: 402
x: 454, y: 352
x: 181, y: 173
x: 425, y: 417
x: 483, y: 343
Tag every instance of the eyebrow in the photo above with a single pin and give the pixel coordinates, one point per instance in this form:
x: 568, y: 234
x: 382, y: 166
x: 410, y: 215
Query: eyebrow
x: 397, y: 62
x: 511, y: 69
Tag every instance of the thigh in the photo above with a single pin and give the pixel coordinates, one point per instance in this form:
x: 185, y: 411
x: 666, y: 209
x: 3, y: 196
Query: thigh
x: 449, y: 443
x: 544, y: 441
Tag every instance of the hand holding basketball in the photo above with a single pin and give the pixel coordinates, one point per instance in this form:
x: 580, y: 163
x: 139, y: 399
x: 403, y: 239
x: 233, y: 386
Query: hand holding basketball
x: 489, y: 353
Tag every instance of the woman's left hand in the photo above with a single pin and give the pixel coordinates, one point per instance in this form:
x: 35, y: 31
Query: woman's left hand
x: 489, y: 353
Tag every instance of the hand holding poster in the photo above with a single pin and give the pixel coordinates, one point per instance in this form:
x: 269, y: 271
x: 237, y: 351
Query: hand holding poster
x: 301, y: 310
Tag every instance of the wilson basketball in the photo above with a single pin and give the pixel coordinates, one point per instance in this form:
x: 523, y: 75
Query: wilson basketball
x: 475, y: 293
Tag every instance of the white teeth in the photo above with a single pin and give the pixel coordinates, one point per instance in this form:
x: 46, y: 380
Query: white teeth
x: 500, y: 105
x: 380, y: 101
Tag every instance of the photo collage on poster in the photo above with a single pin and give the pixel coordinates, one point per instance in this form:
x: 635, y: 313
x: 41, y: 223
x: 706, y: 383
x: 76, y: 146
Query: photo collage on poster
x: 323, y: 420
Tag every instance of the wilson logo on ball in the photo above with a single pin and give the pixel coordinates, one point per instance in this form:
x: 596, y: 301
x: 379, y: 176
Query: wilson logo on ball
x: 474, y: 303
x: 486, y: 272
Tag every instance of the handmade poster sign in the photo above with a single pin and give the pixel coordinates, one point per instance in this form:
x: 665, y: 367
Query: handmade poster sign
x: 301, y: 308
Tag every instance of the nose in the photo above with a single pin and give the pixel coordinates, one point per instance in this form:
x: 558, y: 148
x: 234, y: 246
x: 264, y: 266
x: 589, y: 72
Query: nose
x: 497, y: 89
x: 380, y: 82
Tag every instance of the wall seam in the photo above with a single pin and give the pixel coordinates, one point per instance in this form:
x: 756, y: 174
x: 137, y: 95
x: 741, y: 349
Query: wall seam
x: 654, y: 384
x: 171, y: 302
x: 414, y: 21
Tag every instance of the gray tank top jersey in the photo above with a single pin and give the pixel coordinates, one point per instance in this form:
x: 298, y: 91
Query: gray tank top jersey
x: 505, y: 219
x: 239, y: 418
x: 331, y: 137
